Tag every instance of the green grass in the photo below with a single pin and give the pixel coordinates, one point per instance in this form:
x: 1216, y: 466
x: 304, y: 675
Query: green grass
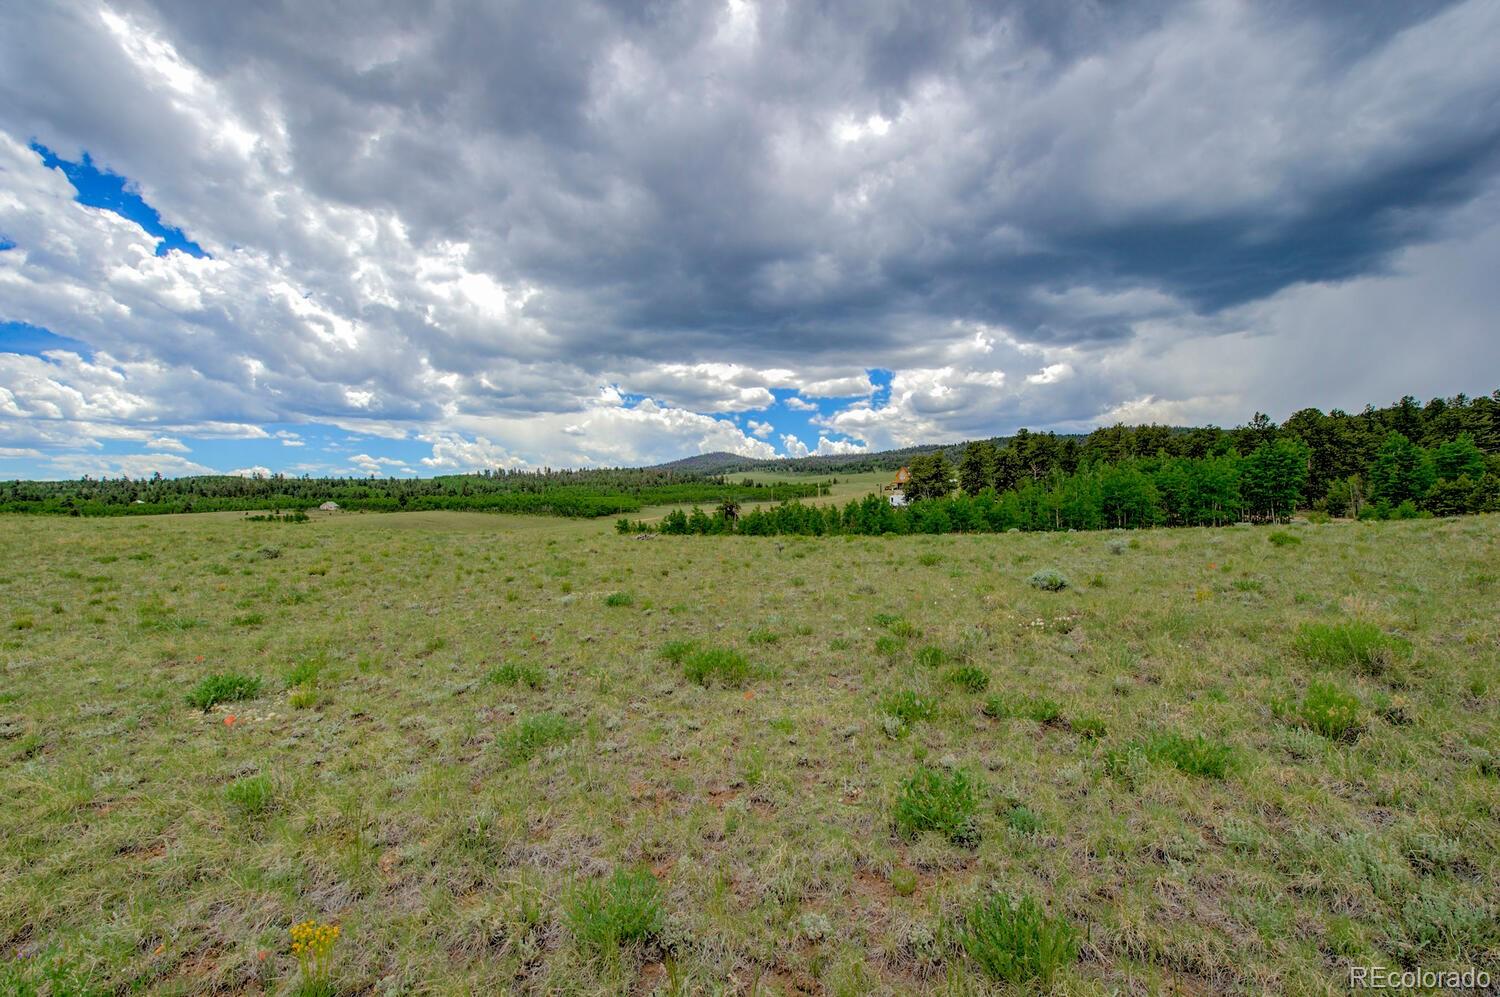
x: 512, y: 674
x: 223, y: 687
x: 1017, y: 942
x: 1358, y: 646
x: 1153, y: 771
x: 933, y: 800
x: 252, y: 794
x: 528, y: 736
x: 711, y: 665
x: 623, y: 909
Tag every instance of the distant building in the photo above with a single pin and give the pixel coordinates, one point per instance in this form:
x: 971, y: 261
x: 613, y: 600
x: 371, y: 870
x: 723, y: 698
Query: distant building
x: 329, y: 507
x: 896, y: 490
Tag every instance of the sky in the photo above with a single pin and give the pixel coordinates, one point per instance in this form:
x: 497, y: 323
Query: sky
x: 407, y: 238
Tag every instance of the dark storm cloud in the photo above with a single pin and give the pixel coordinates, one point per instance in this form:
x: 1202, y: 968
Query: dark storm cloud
x: 671, y: 207
x: 839, y: 185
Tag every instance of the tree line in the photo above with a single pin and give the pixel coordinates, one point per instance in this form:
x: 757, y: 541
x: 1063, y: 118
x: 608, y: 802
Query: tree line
x: 588, y: 493
x: 1402, y: 461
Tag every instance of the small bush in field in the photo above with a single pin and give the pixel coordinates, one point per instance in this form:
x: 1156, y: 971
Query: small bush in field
x: 932, y: 656
x: 1017, y: 942
x: 1330, y: 711
x: 306, y: 671
x: 514, y: 675
x: 252, y: 795
x: 1363, y: 647
x: 889, y: 646
x: 1194, y: 755
x: 1048, y: 580
x: 1089, y: 728
x: 1118, y: 545
x: 934, y: 800
x: 717, y: 664
x: 625, y: 908
x: 1037, y: 708
x: 1281, y: 538
x: 620, y: 599
x: 1023, y: 820
x: 762, y: 636
x: 675, y: 651
x: 908, y: 707
x: 225, y: 687
x: 930, y: 560
x: 526, y: 738
x: 970, y: 678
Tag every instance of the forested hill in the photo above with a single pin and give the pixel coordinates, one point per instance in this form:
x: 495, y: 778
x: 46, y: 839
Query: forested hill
x: 1340, y: 442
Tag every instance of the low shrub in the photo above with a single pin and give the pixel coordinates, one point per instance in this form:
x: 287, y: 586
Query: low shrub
x: 525, y: 739
x: 1195, y: 755
x: 1363, y: 647
x: 1048, y: 580
x: 514, y: 675
x: 762, y: 636
x: 970, y: 678
x: 675, y: 651
x: 306, y: 671
x: 1023, y: 820
x: 1089, y: 728
x: 1281, y: 538
x: 908, y: 707
x: 1117, y: 545
x: 1037, y: 708
x: 930, y: 560
x: 622, y: 909
x: 1017, y: 942
x: 932, y: 656
x: 224, y: 687
x: 889, y: 646
x: 934, y: 800
x: 620, y: 599
x: 1328, y: 710
x: 252, y: 794
x: 716, y: 664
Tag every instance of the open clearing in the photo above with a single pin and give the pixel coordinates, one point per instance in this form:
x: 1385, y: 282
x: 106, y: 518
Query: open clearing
x: 464, y: 720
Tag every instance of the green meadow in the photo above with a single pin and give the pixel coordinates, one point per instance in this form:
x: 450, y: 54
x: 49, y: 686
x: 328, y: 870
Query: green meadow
x: 510, y: 754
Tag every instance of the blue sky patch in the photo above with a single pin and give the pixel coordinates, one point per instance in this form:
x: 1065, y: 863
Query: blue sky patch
x: 102, y: 189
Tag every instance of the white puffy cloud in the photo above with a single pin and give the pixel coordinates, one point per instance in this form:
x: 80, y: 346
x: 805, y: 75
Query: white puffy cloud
x: 411, y: 239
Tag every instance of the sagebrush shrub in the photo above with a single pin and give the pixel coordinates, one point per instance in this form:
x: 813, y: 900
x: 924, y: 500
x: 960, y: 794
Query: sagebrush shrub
x: 224, y: 687
x: 1017, y: 942
x: 930, y: 559
x: 525, y: 739
x: 1363, y: 647
x: 934, y: 800
x: 1023, y: 820
x: 716, y: 664
x: 1048, y: 580
x: 625, y: 908
x: 1117, y: 545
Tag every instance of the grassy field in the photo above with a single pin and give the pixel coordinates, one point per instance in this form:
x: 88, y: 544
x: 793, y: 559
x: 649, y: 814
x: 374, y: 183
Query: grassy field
x: 510, y: 754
